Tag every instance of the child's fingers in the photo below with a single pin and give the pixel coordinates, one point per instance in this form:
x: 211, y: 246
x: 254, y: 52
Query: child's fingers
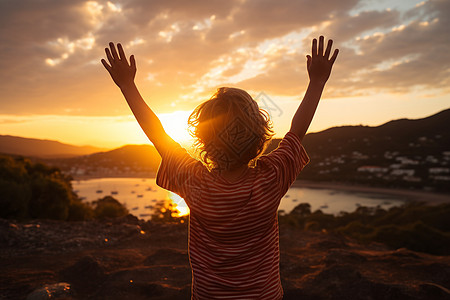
x: 113, y: 51
x: 320, y: 52
x: 121, y: 52
x: 314, y: 48
x: 108, y: 55
x: 105, y: 64
x: 132, y: 62
x: 308, y: 61
x: 328, y: 50
x: 335, y: 54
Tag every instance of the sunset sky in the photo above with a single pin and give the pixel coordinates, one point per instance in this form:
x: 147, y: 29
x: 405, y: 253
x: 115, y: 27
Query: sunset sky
x: 394, y: 62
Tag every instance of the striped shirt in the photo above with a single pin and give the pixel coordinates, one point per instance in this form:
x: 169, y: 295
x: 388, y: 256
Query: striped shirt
x: 233, y: 226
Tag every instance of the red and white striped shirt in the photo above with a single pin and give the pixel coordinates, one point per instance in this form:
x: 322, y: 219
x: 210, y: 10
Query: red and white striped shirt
x: 233, y: 226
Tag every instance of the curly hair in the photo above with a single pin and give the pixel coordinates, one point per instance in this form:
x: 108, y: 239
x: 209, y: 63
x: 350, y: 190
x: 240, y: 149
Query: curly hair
x: 230, y: 130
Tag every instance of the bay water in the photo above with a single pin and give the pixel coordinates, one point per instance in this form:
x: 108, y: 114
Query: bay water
x: 140, y: 195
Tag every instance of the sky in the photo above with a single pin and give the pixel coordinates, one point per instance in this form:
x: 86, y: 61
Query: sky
x: 394, y: 62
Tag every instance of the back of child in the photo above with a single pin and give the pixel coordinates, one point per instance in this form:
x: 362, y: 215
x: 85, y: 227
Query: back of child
x: 232, y: 190
x: 233, y: 229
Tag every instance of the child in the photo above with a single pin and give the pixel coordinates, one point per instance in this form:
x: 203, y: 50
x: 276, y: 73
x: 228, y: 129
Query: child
x: 233, y: 192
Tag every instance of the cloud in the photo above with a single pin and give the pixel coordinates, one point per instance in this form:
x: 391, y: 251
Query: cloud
x: 184, y: 50
x: 408, y: 56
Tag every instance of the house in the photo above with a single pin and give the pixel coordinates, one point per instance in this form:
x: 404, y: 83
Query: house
x: 403, y: 172
x: 372, y: 169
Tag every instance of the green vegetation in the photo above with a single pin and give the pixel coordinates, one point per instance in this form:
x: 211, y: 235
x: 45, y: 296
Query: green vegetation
x: 415, y: 226
x: 37, y: 191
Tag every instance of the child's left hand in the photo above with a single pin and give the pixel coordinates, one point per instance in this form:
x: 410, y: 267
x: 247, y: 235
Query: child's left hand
x: 121, y: 72
x: 319, y: 64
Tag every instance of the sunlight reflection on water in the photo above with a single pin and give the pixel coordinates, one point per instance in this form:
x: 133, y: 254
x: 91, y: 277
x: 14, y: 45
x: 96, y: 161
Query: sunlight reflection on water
x: 140, y: 195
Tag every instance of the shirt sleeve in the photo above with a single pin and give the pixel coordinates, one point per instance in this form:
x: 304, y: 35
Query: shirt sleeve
x: 178, y: 172
x: 287, y: 161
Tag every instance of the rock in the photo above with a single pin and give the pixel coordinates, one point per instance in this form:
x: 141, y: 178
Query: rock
x: 343, y: 282
x: 61, y: 290
x: 85, y: 275
x: 113, y: 260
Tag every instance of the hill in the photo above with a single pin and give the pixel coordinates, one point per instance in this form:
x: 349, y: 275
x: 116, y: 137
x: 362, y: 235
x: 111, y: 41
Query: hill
x: 42, y: 148
x: 126, y: 161
x: 400, y: 153
x: 399, y: 135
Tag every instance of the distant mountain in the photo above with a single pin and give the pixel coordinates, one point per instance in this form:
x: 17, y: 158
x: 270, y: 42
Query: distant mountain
x: 137, y: 156
x: 400, y: 153
x: 42, y: 148
x: 399, y: 135
x: 129, y: 160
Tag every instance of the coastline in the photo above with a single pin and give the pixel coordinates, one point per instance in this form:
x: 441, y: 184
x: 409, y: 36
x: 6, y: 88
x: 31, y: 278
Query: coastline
x: 404, y: 194
x: 407, y: 195
x: 145, y: 175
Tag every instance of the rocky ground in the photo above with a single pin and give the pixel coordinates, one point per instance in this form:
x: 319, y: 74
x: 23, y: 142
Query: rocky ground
x: 131, y: 259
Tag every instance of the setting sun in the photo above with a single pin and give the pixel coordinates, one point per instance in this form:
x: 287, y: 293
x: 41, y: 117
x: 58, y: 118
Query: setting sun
x: 176, y: 125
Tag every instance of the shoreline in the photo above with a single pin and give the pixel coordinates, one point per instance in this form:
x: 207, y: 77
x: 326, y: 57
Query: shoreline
x: 404, y: 194
x: 131, y: 175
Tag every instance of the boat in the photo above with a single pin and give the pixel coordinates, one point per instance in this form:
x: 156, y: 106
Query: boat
x: 114, y: 192
x: 135, y: 208
x: 140, y: 196
x: 99, y: 191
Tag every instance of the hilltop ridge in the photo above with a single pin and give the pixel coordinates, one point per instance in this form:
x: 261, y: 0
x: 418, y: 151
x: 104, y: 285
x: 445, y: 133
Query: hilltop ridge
x: 42, y: 148
x: 402, y: 153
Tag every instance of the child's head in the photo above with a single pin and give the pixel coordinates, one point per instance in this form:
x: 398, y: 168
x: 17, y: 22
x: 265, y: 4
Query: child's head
x: 230, y: 129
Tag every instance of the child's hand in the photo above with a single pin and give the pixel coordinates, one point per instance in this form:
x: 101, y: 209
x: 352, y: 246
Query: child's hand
x: 319, y: 66
x: 121, y: 72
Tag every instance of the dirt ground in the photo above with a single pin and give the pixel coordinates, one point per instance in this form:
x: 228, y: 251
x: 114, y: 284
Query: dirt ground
x: 128, y: 258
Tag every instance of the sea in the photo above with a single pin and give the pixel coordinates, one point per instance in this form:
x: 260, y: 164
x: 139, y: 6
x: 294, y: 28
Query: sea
x: 139, y: 195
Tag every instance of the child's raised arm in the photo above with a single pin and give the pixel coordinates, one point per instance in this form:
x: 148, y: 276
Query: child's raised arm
x: 319, y: 66
x: 123, y: 75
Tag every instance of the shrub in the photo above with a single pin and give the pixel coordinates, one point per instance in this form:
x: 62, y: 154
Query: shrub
x: 108, y: 207
x: 415, y: 226
x: 80, y: 211
x: 14, y: 199
x: 34, y: 190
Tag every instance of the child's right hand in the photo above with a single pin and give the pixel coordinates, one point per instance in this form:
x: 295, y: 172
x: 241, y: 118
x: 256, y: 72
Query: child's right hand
x: 318, y: 65
x: 121, y: 72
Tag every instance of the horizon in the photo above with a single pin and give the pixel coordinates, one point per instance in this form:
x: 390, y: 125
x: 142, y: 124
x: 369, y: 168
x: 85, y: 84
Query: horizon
x: 393, y: 63
x: 188, y: 143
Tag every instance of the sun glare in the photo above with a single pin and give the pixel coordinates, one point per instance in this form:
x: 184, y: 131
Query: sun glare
x: 179, y: 204
x: 176, y: 125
